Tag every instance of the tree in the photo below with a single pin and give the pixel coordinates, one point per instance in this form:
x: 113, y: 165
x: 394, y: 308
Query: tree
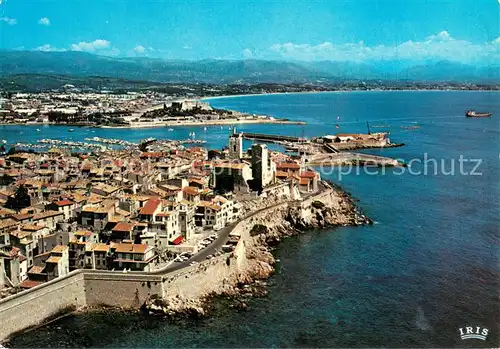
x: 20, y: 200
x: 6, y: 180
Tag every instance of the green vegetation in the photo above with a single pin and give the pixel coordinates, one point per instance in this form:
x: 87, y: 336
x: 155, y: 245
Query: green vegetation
x: 176, y: 111
x: 109, y: 118
x: 318, y: 205
x: 258, y: 229
x: 20, y: 200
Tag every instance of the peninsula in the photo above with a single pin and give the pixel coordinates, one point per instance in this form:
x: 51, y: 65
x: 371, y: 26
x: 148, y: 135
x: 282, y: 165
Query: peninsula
x: 127, y: 110
x: 156, y: 225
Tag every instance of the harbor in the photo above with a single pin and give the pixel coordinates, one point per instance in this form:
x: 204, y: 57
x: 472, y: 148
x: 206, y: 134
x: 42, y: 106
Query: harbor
x: 331, y: 150
x: 97, y: 144
x: 303, y: 257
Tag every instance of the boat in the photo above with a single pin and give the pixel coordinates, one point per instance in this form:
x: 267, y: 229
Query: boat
x: 170, y: 129
x: 412, y: 127
x: 474, y: 114
x: 70, y: 130
x: 38, y: 130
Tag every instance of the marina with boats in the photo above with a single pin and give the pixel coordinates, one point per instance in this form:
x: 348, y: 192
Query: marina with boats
x: 94, y: 144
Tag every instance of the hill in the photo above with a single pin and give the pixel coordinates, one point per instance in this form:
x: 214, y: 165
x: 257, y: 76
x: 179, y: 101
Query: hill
x: 81, y: 64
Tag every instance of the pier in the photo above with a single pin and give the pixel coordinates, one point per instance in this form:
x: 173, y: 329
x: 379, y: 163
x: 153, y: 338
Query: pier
x: 329, y: 148
x: 272, y: 138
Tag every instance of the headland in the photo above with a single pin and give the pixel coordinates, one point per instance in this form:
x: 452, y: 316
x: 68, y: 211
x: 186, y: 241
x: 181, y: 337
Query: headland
x: 156, y: 225
x: 137, y: 110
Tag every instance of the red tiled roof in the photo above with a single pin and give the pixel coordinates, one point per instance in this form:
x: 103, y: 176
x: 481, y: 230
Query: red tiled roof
x: 29, y: 283
x: 130, y: 248
x: 281, y: 174
x: 202, y: 163
x: 123, y: 226
x: 288, y: 165
x: 308, y: 174
x: 190, y: 191
x: 304, y: 181
x: 64, y: 203
x: 150, y: 207
x: 152, y: 154
x: 22, y: 216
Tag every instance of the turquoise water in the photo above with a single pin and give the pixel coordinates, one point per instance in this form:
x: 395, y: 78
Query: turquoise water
x: 428, y: 267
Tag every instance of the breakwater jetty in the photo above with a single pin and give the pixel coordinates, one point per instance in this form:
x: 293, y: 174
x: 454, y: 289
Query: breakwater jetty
x: 333, y: 150
x: 328, y: 143
x: 272, y: 138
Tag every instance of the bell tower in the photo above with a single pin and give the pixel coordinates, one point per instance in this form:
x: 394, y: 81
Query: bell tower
x: 235, y: 145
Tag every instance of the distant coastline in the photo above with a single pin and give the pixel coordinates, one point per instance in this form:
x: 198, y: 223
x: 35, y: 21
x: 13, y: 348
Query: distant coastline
x: 206, y: 123
x: 208, y: 98
x: 167, y: 123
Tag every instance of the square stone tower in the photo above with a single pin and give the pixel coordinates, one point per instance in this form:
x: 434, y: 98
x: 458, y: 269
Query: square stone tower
x: 260, y: 166
x: 235, y: 146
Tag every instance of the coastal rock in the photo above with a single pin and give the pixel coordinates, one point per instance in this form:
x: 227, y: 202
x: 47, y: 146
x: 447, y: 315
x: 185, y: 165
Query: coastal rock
x: 174, y: 306
x: 332, y: 208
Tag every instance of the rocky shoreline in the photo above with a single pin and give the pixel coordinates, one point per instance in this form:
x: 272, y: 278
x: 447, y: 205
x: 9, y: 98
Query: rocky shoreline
x: 234, y: 292
x: 265, y: 235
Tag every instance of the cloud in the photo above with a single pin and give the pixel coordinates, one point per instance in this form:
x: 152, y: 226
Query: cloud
x: 444, y: 35
x: 49, y: 48
x: 8, y: 20
x: 247, y: 53
x: 441, y: 46
x: 95, y: 45
x: 139, y: 49
x: 44, y: 21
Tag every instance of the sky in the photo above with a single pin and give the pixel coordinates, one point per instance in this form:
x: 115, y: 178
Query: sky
x: 465, y: 31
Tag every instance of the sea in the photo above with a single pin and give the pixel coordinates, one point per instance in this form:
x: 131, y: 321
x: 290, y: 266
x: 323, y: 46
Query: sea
x: 427, y: 267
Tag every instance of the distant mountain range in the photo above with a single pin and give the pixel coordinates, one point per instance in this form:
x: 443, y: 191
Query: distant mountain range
x: 81, y: 64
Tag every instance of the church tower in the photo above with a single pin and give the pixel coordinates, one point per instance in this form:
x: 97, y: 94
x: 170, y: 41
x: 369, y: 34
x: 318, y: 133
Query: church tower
x: 235, y: 146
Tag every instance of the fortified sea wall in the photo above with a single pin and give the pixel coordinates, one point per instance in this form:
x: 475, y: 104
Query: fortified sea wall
x: 90, y: 288
x: 31, y: 307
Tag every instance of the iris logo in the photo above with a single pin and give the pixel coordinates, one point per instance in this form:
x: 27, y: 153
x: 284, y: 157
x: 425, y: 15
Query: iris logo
x: 470, y: 332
